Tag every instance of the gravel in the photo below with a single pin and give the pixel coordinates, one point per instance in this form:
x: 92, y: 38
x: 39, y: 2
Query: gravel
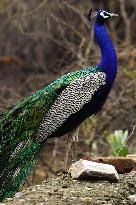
x: 63, y: 190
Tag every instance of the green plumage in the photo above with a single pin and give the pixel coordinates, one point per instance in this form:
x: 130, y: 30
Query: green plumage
x: 19, y: 146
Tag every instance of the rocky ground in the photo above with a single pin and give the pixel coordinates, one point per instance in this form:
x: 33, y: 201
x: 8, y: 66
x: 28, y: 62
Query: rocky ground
x: 62, y: 190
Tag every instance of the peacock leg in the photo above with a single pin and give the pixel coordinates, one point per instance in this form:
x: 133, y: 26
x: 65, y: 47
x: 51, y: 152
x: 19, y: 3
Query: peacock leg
x: 72, y: 139
x: 75, y: 139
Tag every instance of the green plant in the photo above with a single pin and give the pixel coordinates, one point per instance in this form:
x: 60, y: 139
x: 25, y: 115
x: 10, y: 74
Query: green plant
x: 117, y: 141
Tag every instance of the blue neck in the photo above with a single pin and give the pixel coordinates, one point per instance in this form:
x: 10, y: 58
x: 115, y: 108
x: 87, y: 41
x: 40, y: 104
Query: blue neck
x: 108, y: 62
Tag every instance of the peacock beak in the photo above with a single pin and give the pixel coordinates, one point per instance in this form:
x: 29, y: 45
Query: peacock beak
x: 112, y: 14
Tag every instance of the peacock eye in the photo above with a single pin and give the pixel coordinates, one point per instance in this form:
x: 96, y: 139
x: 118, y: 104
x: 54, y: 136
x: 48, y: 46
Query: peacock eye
x: 105, y: 14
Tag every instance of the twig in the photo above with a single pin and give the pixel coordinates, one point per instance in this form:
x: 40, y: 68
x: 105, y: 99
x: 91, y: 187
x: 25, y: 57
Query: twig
x: 126, y: 20
x: 35, y: 10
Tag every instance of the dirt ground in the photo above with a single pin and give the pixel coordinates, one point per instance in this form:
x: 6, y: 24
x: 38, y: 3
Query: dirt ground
x: 62, y: 190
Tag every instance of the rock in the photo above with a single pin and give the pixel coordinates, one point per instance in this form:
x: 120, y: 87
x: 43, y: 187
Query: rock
x: 85, y: 168
x: 132, y: 156
x: 65, y: 185
x: 18, y: 194
x: 132, y: 199
x: 121, y: 164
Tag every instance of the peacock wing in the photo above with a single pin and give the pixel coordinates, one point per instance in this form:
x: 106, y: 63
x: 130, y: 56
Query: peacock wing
x: 71, y: 100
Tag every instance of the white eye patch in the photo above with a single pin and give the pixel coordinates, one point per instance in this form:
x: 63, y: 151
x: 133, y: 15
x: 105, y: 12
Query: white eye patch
x: 105, y: 14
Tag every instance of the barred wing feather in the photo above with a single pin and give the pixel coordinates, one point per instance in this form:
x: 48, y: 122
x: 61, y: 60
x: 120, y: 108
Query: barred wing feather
x: 71, y: 100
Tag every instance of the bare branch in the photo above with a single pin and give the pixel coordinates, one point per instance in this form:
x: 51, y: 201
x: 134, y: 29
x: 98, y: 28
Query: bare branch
x: 126, y: 20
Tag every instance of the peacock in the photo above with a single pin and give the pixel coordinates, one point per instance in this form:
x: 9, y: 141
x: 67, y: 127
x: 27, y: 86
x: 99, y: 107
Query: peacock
x: 54, y: 111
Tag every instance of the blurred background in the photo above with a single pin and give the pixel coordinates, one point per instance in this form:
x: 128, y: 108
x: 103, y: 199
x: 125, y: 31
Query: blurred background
x: 41, y: 40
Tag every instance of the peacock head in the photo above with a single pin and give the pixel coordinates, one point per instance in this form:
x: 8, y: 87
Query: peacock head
x: 101, y: 15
